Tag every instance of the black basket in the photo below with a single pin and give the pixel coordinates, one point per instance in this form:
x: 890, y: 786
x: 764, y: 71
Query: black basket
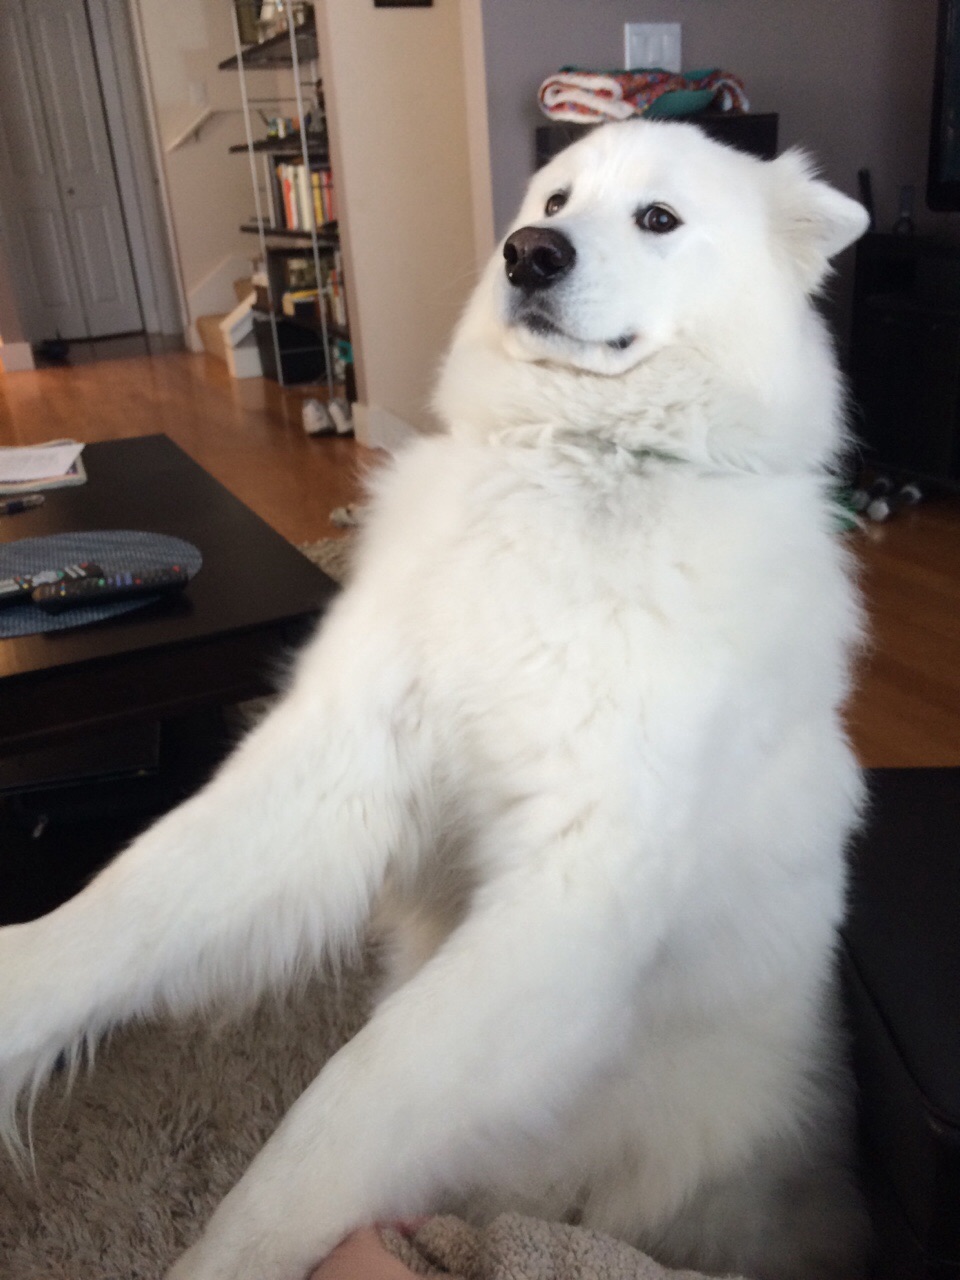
x: 302, y: 356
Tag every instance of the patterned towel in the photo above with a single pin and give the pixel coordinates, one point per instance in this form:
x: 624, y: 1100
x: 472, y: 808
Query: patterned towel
x: 584, y: 96
x: 513, y: 1247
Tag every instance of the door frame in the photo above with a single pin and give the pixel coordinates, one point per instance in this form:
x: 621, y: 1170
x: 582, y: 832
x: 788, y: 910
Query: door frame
x: 117, y: 49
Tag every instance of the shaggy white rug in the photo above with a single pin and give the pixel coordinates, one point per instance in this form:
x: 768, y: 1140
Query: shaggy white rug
x: 131, y: 1163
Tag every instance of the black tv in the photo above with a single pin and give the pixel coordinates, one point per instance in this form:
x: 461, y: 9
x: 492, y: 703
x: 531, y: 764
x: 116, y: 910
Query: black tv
x: 943, y: 174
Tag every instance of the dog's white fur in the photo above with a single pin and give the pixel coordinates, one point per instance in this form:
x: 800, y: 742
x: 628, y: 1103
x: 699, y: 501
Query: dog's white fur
x: 575, y: 727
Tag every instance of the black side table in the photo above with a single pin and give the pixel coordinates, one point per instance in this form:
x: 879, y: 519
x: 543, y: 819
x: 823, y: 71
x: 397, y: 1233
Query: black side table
x: 901, y: 959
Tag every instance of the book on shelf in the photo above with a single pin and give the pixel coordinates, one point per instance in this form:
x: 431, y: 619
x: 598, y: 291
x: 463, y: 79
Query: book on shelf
x: 334, y: 294
x: 317, y: 198
x: 324, y: 204
x: 294, y: 286
x: 272, y: 207
x: 289, y: 205
x: 300, y: 304
x: 302, y: 195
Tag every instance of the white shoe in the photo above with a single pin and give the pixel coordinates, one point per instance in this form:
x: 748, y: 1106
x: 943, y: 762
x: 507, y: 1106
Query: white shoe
x: 317, y: 420
x: 339, y: 411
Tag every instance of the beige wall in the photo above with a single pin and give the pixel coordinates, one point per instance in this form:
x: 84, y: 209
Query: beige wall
x: 208, y: 190
x: 478, y: 127
x: 394, y: 81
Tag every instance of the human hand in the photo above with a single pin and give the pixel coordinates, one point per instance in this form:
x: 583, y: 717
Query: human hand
x: 361, y: 1256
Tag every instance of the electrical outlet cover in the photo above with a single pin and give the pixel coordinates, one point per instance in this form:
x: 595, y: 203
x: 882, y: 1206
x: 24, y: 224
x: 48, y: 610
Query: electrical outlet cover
x: 652, y: 44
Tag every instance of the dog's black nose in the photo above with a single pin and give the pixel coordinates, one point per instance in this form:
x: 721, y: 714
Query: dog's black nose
x: 537, y: 257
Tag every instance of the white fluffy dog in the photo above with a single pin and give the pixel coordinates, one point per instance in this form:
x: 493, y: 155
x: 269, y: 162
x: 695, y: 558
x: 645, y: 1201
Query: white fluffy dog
x: 573, y: 732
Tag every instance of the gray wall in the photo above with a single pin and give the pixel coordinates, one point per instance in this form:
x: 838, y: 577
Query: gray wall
x: 851, y: 79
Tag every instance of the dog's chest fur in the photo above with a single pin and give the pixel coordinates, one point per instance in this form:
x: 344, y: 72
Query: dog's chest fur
x: 602, y: 573
x: 575, y: 612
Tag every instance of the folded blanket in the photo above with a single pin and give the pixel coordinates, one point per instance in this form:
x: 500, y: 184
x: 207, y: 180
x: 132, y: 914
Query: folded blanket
x: 585, y: 96
x: 513, y: 1247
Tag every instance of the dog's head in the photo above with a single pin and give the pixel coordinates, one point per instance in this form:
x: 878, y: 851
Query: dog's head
x: 644, y: 234
x: 646, y: 238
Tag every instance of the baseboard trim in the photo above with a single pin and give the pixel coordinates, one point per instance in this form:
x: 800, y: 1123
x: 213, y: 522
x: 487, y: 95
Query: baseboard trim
x: 378, y: 428
x: 16, y: 357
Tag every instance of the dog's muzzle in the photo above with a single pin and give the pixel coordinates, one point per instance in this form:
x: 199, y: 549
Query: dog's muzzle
x: 537, y: 257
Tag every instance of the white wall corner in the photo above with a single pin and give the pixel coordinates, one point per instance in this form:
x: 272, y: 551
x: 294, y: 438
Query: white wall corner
x: 478, y: 128
x: 149, y: 101
x: 16, y: 357
x: 214, y: 294
x: 378, y: 428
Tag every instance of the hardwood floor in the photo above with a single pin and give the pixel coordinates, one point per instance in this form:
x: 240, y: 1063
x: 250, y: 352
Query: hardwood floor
x: 906, y: 710
x: 246, y: 433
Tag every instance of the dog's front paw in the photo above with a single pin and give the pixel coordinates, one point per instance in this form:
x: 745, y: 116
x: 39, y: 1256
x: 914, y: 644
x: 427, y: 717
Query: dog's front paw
x: 199, y: 1263
x: 221, y: 1256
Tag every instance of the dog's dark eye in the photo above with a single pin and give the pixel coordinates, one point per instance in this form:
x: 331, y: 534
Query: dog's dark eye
x: 657, y: 218
x: 556, y: 203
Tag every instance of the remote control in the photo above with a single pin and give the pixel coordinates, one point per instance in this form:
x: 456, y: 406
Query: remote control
x: 125, y: 584
x: 19, y: 587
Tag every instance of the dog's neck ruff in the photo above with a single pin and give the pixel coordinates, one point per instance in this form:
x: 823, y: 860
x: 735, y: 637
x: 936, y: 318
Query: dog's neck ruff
x: 570, y: 442
x: 608, y: 452
x: 643, y: 454
x: 673, y: 408
x: 638, y: 455
x: 627, y: 447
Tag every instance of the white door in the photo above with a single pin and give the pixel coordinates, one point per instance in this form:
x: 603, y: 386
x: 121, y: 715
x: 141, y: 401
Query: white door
x: 58, y: 192
x: 40, y: 260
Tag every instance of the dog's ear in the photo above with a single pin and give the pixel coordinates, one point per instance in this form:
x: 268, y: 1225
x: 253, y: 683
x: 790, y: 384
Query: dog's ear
x: 813, y: 220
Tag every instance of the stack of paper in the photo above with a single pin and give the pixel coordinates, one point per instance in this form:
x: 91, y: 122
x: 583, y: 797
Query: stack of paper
x: 44, y: 466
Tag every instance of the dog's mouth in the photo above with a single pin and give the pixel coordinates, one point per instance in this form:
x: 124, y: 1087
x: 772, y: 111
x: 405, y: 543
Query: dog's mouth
x: 543, y: 326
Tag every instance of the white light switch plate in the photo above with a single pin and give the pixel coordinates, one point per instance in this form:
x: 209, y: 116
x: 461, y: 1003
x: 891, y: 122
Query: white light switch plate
x: 652, y: 44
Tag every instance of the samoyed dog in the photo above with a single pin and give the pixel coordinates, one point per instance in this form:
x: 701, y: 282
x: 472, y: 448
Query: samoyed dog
x: 572, y: 736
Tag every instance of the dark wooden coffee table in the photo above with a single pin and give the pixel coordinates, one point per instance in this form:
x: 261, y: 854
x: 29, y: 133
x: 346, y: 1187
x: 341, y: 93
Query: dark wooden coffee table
x: 254, y: 598
x: 104, y: 727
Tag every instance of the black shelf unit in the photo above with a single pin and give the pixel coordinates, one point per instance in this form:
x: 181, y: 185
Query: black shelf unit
x: 333, y: 330
x: 292, y: 348
x: 290, y: 148
x: 326, y: 238
x: 905, y: 355
x: 754, y: 132
x: 274, y: 53
x: 284, y: 147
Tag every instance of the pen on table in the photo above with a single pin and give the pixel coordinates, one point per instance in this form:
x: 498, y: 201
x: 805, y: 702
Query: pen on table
x: 10, y: 506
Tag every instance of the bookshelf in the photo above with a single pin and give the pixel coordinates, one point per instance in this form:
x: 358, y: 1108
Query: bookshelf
x: 282, y: 147
x: 300, y: 315
x: 275, y: 52
x: 327, y: 237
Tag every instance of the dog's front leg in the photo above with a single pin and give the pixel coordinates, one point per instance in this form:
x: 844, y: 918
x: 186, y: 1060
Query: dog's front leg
x: 275, y: 859
x: 456, y: 1072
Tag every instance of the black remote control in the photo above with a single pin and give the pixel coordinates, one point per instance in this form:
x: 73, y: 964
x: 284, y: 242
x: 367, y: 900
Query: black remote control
x: 125, y: 584
x: 19, y: 587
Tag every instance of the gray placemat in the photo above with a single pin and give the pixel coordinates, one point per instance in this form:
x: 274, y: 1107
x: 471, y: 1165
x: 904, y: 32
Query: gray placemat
x: 111, y: 549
